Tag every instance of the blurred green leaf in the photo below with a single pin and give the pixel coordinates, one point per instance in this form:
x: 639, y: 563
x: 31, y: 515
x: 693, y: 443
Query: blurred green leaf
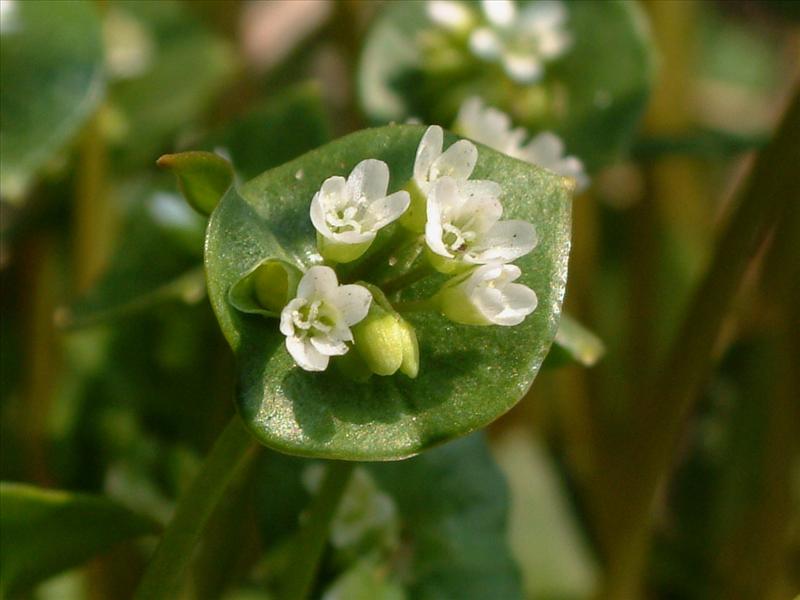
x: 51, y: 79
x: 169, y: 68
x: 593, y: 96
x: 364, y: 581
x: 158, y: 259
x: 574, y: 343
x: 46, y: 532
x: 203, y: 177
x: 468, y: 375
x: 545, y: 536
x: 453, y: 502
x: 276, y: 131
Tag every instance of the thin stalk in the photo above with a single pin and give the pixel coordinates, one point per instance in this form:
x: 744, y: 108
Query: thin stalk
x: 310, y: 541
x: 773, y: 185
x: 406, y: 279
x: 175, y: 551
x: 416, y: 306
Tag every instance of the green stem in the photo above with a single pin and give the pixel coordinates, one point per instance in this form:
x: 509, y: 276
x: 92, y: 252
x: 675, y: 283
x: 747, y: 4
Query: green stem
x: 407, y: 278
x: 772, y: 187
x: 416, y: 306
x: 310, y: 541
x: 174, y: 552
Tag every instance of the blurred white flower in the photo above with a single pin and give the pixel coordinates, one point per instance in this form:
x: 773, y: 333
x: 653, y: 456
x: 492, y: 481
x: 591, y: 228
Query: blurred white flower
x: 490, y: 126
x: 547, y: 150
x: 450, y: 14
x: 347, y: 214
x: 9, y: 17
x: 522, y: 40
x: 317, y: 322
x: 487, y: 296
x: 464, y: 226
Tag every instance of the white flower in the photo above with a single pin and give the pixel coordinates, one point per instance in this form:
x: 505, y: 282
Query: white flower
x: 522, y: 41
x: 547, y: 150
x: 458, y: 161
x: 450, y: 14
x: 347, y: 214
x: 464, y: 226
x: 487, y: 296
x: 490, y: 126
x: 317, y: 322
x: 9, y: 17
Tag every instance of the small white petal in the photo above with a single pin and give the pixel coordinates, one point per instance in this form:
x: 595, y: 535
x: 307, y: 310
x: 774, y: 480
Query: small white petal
x: 543, y: 15
x: 443, y: 195
x: 287, y: 325
x: 352, y: 302
x: 328, y: 345
x: 500, y: 13
x: 458, y: 161
x: 332, y: 188
x: 430, y: 147
x: 449, y: 14
x: 521, y: 301
x: 317, y: 212
x: 485, y: 44
x: 318, y: 282
x: 523, y: 68
x: 545, y: 149
x: 479, y: 201
x: 504, y: 242
x: 385, y: 210
x: 369, y: 179
x: 306, y: 355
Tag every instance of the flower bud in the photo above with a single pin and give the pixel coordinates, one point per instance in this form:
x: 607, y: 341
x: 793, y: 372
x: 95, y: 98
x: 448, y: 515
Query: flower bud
x: 385, y: 341
x: 266, y: 288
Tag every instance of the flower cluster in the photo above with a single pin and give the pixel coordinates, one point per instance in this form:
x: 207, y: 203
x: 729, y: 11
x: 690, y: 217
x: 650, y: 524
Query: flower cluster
x: 520, y: 40
x: 493, y: 127
x: 456, y: 219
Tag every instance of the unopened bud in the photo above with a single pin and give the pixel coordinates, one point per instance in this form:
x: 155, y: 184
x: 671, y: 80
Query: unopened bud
x: 266, y: 288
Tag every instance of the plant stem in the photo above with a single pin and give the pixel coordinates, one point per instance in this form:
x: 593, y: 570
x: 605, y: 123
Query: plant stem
x: 407, y: 278
x: 174, y: 552
x: 773, y: 185
x: 310, y: 541
x: 416, y: 306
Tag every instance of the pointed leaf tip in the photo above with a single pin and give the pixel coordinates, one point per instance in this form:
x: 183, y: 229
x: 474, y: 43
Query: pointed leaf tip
x: 203, y: 177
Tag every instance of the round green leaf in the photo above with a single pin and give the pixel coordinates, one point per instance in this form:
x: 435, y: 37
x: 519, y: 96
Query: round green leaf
x: 50, y: 80
x: 598, y: 88
x: 468, y: 376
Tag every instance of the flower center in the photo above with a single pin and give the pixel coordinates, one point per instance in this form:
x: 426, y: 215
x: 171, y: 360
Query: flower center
x: 311, y: 318
x: 457, y: 240
x: 347, y: 218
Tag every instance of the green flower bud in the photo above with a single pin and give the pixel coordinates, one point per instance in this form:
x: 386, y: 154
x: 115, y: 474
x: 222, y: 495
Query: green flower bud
x: 266, y: 288
x: 385, y: 341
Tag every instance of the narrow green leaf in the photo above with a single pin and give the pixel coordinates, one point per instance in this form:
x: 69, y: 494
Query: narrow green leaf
x: 203, y: 177
x: 46, y: 532
x: 468, y: 376
x: 575, y: 343
x: 50, y: 81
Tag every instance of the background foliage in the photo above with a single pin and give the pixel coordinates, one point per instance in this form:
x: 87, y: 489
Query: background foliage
x: 115, y: 379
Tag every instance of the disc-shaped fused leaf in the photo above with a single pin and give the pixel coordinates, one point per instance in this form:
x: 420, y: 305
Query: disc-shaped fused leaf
x: 592, y: 96
x: 468, y: 376
x: 46, y: 532
x: 50, y: 80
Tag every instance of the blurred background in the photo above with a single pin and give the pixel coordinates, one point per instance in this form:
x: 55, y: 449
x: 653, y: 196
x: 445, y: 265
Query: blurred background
x: 115, y: 379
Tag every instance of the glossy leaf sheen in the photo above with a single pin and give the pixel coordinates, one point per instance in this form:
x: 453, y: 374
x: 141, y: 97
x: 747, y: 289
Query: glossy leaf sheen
x: 46, y: 532
x: 468, y: 375
x: 603, y: 80
x: 50, y: 80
